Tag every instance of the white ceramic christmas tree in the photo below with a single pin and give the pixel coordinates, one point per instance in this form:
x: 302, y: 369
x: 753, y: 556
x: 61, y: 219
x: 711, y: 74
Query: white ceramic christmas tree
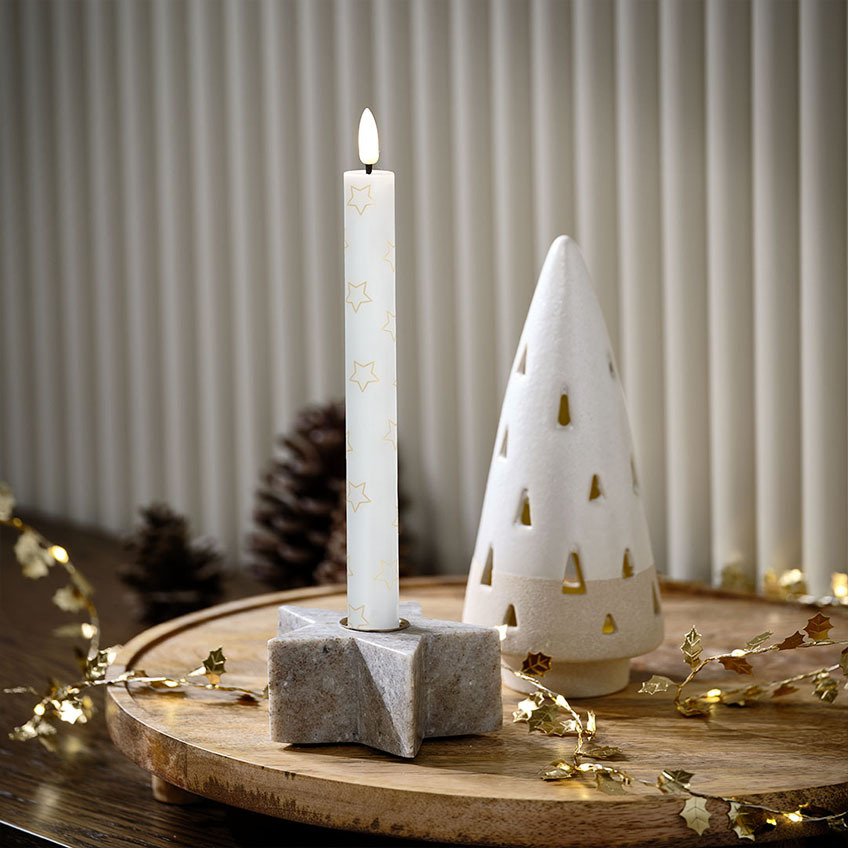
x: 563, y: 556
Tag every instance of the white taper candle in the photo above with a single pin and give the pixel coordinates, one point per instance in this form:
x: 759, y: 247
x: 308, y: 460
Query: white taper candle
x: 371, y: 390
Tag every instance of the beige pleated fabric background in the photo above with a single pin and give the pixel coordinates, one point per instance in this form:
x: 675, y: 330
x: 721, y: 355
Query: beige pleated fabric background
x: 171, y: 250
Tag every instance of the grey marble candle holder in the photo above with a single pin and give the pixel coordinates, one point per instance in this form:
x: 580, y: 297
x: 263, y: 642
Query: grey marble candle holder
x: 389, y: 690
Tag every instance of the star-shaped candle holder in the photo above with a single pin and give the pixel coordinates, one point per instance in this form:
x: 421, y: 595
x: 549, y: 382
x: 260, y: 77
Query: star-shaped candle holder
x: 388, y: 690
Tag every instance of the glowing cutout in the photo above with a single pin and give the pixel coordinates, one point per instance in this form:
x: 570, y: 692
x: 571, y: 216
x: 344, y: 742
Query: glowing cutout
x: 572, y: 581
x: 502, y: 451
x: 522, y: 363
x: 627, y: 564
x: 657, y: 607
x: 509, y: 618
x: 564, y: 417
x: 595, y: 491
x: 524, y: 510
x: 633, y: 475
x: 486, y: 577
x: 609, y: 625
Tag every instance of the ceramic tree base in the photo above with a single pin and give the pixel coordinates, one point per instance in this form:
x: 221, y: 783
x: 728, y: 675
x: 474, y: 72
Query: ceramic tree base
x: 580, y: 680
x: 328, y: 683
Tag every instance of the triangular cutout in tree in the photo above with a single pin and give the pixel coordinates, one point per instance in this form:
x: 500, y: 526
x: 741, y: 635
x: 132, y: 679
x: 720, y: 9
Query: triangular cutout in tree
x: 585, y: 499
x: 609, y: 625
x: 572, y: 581
x: 595, y: 490
x: 522, y: 363
x: 486, y: 576
x: 509, y: 618
x: 524, y: 510
x: 504, y: 443
x: 564, y: 416
x: 627, y: 564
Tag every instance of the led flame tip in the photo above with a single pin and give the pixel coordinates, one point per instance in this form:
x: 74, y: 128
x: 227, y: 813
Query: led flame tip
x: 369, y: 140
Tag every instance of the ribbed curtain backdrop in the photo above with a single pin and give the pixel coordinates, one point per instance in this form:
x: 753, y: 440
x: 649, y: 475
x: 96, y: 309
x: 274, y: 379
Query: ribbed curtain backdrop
x: 171, y: 250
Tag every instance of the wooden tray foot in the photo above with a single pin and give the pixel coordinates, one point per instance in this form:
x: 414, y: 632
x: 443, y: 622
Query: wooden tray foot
x: 167, y: 793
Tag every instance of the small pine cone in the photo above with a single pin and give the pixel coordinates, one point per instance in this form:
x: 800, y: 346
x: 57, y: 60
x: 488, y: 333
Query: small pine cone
x: 295, y: 503
x: 170, y: 574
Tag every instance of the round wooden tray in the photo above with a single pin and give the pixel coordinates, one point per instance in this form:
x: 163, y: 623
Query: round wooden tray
x: 485, y: 789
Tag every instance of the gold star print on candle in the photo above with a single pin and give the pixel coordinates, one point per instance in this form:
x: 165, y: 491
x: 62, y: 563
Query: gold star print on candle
x: 356, y: 495
x: 345, y: 239
x: 363, y: 374
x: 360, y: 198
x: 389, y: 327
x: 356, y: 617
x: 396, y: 522
x: 357, y: 295
x: 391, y: 435
x: 389, y: 255
x: 348, y: 445
x: 382, y: 577
x: 349, y: 569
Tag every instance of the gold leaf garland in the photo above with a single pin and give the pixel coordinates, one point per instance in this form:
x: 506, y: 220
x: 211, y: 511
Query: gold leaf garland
x: 825, y: 687
x: 70, y: 702
x: 546, y: 711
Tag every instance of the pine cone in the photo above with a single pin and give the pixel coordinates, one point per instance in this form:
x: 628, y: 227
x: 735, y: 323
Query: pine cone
x: 171, y: 574
x: 300, y: 505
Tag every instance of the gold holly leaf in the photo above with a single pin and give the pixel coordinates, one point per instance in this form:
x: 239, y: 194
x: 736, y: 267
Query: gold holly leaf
x: 674, y: 780
x: 738, y: 664
x: 558, y: 770
x: 37, y: 726
x: 826, y: 688
x: 69, y: 598
x: 95, y: 667
x: 603, y: 752
x: 75, y: 710
x: 214, y: 665
x: 591, y: 723
x: 784, y: 689
x: 754, y: 643
x: 657, y: 683
x: 696, y: 815
x: 692, y: 647
x: 818, y: 627
x: 608, y: 784
x: 790, y: 642
x: 693, y: 707
x: 553, y: 726
x: 526, y: 708
x: 741, y: 820
x: 548, y: 720
x: 35, y: 560
x: 536, y: 664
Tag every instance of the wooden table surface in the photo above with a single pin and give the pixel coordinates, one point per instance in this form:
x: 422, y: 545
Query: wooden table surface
x: 90, y: 794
